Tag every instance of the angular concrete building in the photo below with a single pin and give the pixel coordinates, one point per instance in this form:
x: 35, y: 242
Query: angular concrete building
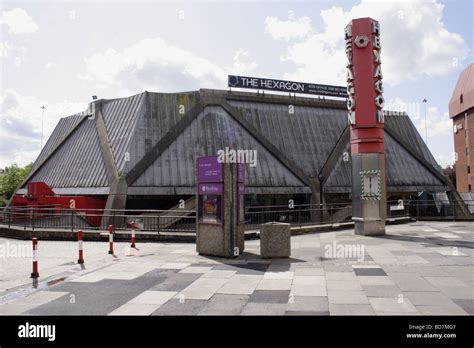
x: 140, y: 152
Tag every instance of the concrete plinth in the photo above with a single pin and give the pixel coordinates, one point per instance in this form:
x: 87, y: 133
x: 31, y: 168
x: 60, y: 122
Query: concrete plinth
x: 369, y: 208
x: 275, y: 240
x: 226, y: 239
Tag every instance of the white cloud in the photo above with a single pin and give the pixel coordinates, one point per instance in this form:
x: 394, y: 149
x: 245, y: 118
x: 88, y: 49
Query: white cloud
x: 243, y: 64
x: 20, y: 125
x: 438, y: 125
x: 438, y: 122
x: 289, y: 29
x: 155, y: 65
x: 5, y: 49
x: 18, y: 21
x: 415, y: 42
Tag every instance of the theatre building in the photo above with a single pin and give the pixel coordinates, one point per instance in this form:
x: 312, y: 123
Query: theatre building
x: 140, y: 152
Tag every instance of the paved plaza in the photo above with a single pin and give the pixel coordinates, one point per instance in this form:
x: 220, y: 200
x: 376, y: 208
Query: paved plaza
x: 417, y: 268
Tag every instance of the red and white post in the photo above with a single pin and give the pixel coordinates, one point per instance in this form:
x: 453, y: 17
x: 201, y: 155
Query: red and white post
x: 35, y: 273
x: 111, y: 239
x: 81, y: 253
x: 133, y: 234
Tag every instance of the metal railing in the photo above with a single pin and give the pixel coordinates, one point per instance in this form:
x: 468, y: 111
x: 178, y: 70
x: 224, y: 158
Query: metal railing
x: 299, y: 215
x: 440, y: 210
x: 337, y: 213
x: 56, y: 218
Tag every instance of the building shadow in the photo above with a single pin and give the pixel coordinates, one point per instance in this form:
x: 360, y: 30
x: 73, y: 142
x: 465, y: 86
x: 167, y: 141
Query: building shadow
x: 430, y: 241
x: 252, y: 262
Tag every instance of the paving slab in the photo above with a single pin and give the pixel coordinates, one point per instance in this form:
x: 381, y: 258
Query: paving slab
x: 445, y: 282
x: 343, y: 285
x: 347, y: 297
x: 309, y: 286
x: 219, y: 274
x: 381, y: 290
x: 336, y: 267
x: 309, y: 271
x: 459, y: 292
x: 375, y: 280
x: 392, y: 306
x: 466, y: 304
x: 340, y: 276
x: 135, y: 309
x: 274, y: 284
x: 279, y: 275
x: 270, y: 296
x: 223, y: 304
x: 350, y: 309
x: 308, y: 303
x: 254, y: 308
x: 181, y: 307
x: 153, y: 297
x: 439, y: 310
x: 99, y: 298
x: 411, y: 282
x: 433, y: 273
x: 36, y: 299
x: 196, y: 269
x: 203, y: 288
x: 366, y: 271
x: 174, y: 265
x: 308, y: 313
x: 240, y: 284
x: 177, y: 282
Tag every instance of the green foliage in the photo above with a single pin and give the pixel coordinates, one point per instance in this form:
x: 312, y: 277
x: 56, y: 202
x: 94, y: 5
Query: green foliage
x: 10, y: 179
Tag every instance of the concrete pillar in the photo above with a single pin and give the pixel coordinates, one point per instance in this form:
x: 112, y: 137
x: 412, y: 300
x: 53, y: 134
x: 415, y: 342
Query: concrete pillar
x: 226, y: 239
x: 117, y: 199
x: 369, y: 210
x: 315, y: 200
x: 365, y: 104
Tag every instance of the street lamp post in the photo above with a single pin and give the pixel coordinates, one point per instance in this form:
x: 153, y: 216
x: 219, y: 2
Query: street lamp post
x: 42, y: 122
x: 426, y: 126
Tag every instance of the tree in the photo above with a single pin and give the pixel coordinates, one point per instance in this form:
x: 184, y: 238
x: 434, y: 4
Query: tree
x: 450, y: 172
x: 9, y: 181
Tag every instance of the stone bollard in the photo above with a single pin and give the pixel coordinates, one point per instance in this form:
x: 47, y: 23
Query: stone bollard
x: 275, y: 240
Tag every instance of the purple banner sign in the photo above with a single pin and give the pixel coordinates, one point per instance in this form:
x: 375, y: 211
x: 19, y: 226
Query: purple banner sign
x: 241, y: 189
x: 211, y: 189
x: 209, y: 169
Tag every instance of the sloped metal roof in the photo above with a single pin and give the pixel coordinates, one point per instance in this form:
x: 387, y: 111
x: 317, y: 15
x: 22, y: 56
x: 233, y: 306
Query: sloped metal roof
x: 306, y: 138
x: 60, y: 132
x: 404, y: 128
x: 78, y: 161
x: 214, y: 129
x: 120, y: 117
x: 159, y: 113
x: 403, y: 171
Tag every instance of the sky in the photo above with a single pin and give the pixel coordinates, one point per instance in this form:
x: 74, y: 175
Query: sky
x: 61, y: 53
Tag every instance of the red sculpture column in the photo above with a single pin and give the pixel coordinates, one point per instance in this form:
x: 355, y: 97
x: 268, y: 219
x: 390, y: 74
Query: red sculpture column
x: 365, y: 104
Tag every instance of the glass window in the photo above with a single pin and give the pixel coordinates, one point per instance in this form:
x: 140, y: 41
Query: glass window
x: 210, y: 208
